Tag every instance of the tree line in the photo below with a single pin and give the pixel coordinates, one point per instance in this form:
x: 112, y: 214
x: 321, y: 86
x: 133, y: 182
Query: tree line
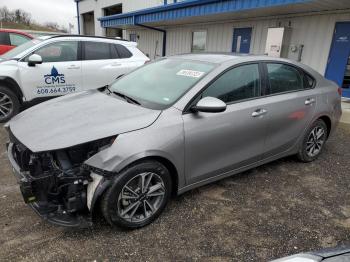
x: 22, y: 17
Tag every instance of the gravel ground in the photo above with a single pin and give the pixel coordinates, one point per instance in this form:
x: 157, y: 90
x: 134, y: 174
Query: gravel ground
x: 278, y: 209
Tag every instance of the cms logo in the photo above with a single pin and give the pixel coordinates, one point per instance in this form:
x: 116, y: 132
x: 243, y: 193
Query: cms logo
x: 54, y: 77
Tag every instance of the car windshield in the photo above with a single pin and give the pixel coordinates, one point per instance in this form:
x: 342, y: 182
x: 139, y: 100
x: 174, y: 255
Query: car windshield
x: 160, y: 84
x: 19, y: 49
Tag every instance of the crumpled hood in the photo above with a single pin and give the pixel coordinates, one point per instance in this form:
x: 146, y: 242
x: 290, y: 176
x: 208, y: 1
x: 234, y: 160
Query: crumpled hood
x: 76, y: 119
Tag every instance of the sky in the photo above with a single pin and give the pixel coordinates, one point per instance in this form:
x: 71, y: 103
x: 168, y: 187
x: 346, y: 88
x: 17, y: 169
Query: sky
x: 62, y: 12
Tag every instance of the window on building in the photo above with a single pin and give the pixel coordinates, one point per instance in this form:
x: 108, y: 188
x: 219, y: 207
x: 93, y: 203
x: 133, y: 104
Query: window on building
x: 284, y: 78
x: 133, y: 37
x: 113, y: 10
x: 17, y: 39
x: 239, y: 83
x: 59, y: 52
x: 199, y: 41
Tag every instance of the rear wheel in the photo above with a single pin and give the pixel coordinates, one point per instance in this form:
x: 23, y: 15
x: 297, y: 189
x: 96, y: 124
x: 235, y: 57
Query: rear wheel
x: 9, y: 104
x: 313, y: 142
x: 138, y: 195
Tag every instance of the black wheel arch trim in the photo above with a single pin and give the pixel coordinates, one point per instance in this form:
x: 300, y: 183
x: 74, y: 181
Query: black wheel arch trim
x: 13, y: 85
x: 104, y: 184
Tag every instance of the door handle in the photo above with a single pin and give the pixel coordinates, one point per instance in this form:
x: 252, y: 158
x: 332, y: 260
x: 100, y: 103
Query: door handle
x: 73, y: 67
x: 259, y: 112
x: 116, y: 64
x: 310, y: 101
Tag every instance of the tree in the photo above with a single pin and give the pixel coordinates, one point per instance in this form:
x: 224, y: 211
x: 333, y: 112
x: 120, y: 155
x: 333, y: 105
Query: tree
x: 22, y: 17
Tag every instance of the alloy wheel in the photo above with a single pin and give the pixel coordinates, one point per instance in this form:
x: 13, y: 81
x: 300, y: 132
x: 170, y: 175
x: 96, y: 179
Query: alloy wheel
x: 141, y: 197
x: 315, y: 141
x: 6, y: 106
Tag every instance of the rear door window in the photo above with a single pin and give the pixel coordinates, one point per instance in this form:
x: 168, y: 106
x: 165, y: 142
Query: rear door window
x: 97, y: 51
x: 284, y: 78
x: 104, y: 51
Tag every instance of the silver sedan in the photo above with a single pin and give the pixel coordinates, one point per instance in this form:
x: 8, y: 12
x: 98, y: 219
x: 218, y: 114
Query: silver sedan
x: 168, y: 127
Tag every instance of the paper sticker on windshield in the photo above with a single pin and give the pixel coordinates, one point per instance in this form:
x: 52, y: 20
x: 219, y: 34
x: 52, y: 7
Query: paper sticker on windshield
x: 190, y: 73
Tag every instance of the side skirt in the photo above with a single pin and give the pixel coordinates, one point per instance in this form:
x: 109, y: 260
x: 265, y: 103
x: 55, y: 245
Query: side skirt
x: 236, y: 171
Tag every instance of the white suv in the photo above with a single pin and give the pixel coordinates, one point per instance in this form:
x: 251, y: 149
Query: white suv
x: 47, y: 67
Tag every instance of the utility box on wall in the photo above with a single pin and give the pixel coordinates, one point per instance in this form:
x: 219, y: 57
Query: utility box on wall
x: 277, y: 42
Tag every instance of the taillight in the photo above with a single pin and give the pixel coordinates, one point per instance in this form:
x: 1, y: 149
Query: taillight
x: 339, y: 91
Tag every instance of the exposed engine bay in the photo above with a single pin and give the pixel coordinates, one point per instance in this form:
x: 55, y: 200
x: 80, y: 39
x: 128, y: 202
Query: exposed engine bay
x: 55, y: 183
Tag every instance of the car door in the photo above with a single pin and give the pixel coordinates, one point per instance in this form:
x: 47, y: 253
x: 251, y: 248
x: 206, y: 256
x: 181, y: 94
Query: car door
x: 59, y: 73
x: 216, y: 143
x: 290, y: 106
x: 102, y: 64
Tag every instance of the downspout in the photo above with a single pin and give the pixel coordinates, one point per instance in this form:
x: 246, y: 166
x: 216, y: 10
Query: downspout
x: 159, y: 30
x: 78, y: 15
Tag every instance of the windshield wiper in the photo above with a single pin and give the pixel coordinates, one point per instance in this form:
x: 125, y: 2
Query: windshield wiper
x: 127, y: 98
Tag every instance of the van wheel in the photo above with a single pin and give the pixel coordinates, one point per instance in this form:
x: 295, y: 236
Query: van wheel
x: 138, y: 195
x: 313, y: 142
x: 9, y: 104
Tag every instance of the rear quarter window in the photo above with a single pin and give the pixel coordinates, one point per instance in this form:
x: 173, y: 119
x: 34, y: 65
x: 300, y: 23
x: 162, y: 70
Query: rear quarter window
x: 309, y: 81
x: 4, y: 38
x: 123, y: 52
x: 17, y: 39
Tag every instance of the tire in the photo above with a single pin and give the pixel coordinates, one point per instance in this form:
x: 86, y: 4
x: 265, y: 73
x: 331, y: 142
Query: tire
x: 9, y: 104
x: 133, y: 208
x: 315, y: 137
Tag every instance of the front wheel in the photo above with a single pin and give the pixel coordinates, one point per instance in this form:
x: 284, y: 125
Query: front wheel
x: 313, y: 142
x: 9, y: 104
x: 138, y: 195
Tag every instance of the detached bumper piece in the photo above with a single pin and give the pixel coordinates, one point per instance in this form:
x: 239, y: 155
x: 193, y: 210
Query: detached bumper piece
x: 60, y: 217
x: 53, y: 187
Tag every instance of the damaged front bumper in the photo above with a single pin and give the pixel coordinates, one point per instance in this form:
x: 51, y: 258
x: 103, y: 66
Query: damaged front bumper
x: 70, y: 212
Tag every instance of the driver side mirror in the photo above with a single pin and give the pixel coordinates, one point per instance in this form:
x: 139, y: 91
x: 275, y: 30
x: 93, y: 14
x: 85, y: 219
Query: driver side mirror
x: 209, y: 105
x: 34, y: 59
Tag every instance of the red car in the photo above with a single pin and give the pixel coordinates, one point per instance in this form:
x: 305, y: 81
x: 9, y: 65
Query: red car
x: 11, y: 38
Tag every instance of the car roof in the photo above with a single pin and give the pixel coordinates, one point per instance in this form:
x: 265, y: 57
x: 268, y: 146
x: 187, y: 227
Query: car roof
x: 216, y: 58
x: 94, y: 38
x: 16, y: 31
x: 219, y: 58
x: 230, y: 59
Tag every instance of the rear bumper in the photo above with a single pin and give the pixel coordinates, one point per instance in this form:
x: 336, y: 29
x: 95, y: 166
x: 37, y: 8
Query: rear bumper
x: 46, y: 211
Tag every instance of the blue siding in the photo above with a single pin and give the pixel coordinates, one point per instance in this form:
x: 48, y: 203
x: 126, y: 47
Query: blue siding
x: 190, y: 8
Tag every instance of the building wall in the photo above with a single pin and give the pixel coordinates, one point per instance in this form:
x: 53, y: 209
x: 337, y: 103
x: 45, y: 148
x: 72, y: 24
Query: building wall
x: 315, y: 32
x: 149, y: 42
x: 97, y: 7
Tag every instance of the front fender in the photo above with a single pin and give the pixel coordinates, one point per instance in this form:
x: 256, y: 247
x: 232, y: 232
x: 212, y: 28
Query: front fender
x: 164, y: 138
